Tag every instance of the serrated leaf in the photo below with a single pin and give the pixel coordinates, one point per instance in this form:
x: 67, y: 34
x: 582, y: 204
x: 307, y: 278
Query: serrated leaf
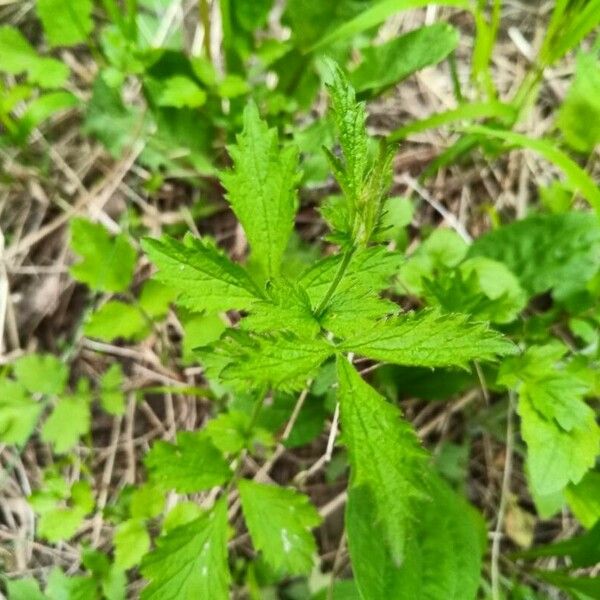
x: 18, y: 56
x: 231, y: 432
x: 370, y: 269
x: 559, y: 252
x: 278, y: 361
x: 19, y: 413
x: 386, y: 458
x: 70, y: 419
x: 25, y: 588
x: 559, y: 428
x: 65, y: 22
x: 349, y: 117
x: 419, y: 48
x: 556, y: 457
x: 205, y: 278
x: 111, y: 390
x: 107, y: 262
x: 41, y: 373
x: 443, y: 552
x: 288, y: 308
x: 132, y: 542
x: 191, y: 560
x: 284, y: 538
x: 191, y: 465
x: 261, y: 189
x: 117, y: 319
x: 429, y: 339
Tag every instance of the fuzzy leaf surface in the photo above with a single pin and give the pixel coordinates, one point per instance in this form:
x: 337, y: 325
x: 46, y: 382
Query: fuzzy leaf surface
x: 204, y: 277
x: 429, y: 339
x: 386, y: 458
x: 284, y: 537
x: 262, y: 189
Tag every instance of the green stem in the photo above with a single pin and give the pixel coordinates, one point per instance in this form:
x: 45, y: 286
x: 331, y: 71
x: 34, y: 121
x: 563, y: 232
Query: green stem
x: 335, y: 282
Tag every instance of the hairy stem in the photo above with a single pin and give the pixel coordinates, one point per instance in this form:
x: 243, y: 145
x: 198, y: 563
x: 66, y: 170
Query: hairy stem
x: 335, y: 281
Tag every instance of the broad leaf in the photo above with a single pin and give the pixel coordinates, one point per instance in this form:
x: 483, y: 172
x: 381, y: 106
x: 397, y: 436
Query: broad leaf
x: 558, y: 252
x: 420, y: 48
x: 386, y: 458
x: 116, y: 319
x: 18, y: 56
x: 559, y: 428
x: 584, y: 499
x: 191, y: 560
x: 284, y: 537
x: 204, y: 277
x: 261, y: 189
x: 429, y: 339
x: 280, y: 361
x: 579, y: 115
x: 65, y: 22
x: 132, y: 542
x: 443, y: 551
x: 191, y: 465
x: 70, y: 419
x: 107, y: 262
x: 19, y: 412
x: 41, y: 373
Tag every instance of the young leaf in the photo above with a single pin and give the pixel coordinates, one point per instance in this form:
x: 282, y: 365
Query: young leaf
x: 69, y: 420
x: 386, y: 458
x: 584, y: 499
x: 132, y: 542
x: 107, y: 262
x: 349, y: 117
x: 284, y: 538
x: 429, y: 339
x: 443, y: 553
x: 191, y: 560
x: 18, y: 56
x: 193, y: 464
x: 419, y: 48
x: 25, y: 588
x: 261, y: 189
x: 19, y: 413
x: 65, y: 22
x: 41, y: 373
x: 205, y: 278
x: 111, y: 390
x: 61, y: 586
x: 116, y: 319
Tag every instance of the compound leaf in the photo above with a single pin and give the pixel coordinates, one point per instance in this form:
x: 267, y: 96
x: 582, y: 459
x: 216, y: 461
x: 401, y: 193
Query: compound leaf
x: 284, y: 538
x: 190, y: 561
x: 204, y: 277
x: 261, y: 189
x: 386, y: 458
